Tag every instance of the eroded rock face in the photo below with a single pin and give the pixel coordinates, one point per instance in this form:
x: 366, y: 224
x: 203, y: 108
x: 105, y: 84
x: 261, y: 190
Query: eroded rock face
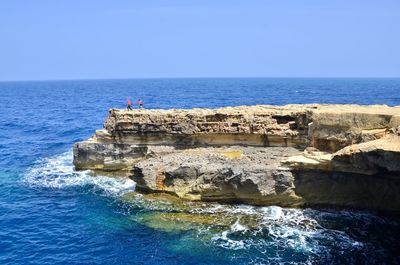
x: 214, y: 174
x: 380, y: 156
x: 107, y: 156
x: 286, y: 155
x: 266, y: 120
x: 327, y: 188
x: 369, y: 158
x: 334, y: 127
x: 125, y: 131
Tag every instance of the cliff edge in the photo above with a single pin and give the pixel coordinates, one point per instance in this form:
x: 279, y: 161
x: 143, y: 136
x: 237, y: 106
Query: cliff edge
x: 293, y: 155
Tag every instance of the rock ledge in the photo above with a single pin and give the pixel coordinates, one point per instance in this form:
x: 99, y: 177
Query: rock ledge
x: 293, y: 155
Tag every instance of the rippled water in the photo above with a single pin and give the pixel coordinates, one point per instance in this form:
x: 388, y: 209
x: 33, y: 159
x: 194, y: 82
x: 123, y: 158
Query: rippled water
x: 50, y: 214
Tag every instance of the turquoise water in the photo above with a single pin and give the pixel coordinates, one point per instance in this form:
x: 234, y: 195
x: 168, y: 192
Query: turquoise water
x: 50, y: 214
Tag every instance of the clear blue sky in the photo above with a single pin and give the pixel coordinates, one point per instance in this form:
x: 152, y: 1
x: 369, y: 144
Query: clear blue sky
x: 85, y: 39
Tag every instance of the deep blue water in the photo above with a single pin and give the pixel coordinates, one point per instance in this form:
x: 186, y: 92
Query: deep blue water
x: 50, y: 214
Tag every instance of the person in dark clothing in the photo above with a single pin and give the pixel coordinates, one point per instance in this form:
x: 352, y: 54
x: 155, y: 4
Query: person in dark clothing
x: 129, y: 105
x: 140, y: 103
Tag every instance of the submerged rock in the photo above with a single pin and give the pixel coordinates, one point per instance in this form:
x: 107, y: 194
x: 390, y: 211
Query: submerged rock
x: 345, y: 155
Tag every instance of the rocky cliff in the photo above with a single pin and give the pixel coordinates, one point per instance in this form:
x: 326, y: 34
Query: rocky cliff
x: 345, y: 155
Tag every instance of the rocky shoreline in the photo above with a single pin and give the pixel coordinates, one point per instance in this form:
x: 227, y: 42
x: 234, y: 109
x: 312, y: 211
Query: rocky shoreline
x: 293, y: 155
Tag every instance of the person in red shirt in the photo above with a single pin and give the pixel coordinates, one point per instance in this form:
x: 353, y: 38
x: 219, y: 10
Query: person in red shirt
x: 129, y: 105
x: 140, y: 103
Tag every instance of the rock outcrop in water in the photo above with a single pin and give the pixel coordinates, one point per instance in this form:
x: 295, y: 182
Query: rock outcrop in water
x: 345, y: 155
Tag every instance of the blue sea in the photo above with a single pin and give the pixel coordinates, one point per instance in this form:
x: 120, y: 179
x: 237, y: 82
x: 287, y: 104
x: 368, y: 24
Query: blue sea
x: 51, y: 214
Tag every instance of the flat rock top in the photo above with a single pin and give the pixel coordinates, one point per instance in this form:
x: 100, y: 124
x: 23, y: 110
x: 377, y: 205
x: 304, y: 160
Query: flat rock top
x: 261, y: 109
x: 367, y: 109
x: 390, y: 143
x: 210, y: 157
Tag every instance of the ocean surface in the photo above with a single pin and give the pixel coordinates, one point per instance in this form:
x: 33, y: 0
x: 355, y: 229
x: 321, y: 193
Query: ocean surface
x: 50, y: 214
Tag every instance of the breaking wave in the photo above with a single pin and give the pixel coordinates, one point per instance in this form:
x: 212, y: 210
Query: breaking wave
x: 58, y: 172
x: 294, y: 229
x: 305, y: 236
x: 272, y: 234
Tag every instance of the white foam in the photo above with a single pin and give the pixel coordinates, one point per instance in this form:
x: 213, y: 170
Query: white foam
x: 238, y: 227
x: 58, y: 172
x: 224, y: 241
x: 272, y: 212
x: 293, y: 228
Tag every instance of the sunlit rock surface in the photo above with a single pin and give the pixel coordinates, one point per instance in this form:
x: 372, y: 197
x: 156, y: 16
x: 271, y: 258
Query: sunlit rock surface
x: 345, y: 155
x: 239, y: 174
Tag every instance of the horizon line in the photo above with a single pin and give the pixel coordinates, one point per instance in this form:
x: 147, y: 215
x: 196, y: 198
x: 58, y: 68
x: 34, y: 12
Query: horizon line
x: 201, y: 77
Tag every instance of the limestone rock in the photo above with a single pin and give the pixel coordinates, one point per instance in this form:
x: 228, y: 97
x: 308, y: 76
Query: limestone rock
x: 337, y: 126
x: 286, y: 155
x: 207, y: 174
x: 106, y: 156
x: 378, y: 156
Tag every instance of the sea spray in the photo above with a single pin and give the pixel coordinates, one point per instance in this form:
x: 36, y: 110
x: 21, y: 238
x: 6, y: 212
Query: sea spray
x: 58, y: 172
x: 235, y: 228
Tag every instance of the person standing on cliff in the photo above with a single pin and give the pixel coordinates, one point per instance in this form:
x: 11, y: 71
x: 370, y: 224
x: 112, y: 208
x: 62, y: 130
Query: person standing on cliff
x: 140, y: 103
x: 129, y: 104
